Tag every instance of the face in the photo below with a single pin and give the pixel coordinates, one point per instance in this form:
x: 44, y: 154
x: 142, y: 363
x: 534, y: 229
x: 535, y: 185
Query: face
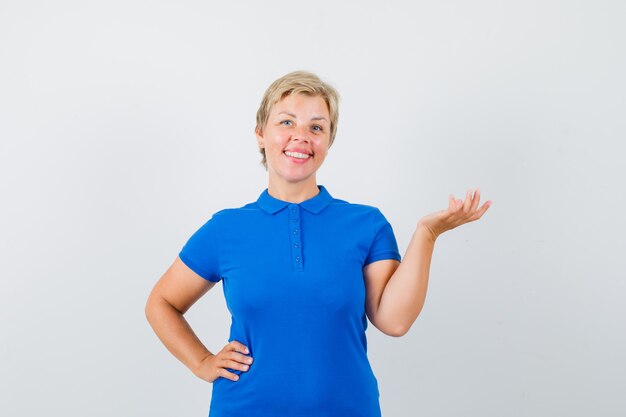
x: 296, y: 138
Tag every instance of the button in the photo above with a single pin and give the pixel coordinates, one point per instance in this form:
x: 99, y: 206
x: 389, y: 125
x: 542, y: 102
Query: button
x: 295, y: 231
x: 293, y: 209
x: 295, y: 245
x: 295, y: 219
x: 297, y: 259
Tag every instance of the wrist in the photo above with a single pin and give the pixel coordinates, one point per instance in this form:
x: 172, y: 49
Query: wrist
x: 426, y: 231
x: 197, y: 367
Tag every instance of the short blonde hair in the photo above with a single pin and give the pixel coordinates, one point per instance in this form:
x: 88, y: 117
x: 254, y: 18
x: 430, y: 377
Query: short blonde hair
x: 293, y: 83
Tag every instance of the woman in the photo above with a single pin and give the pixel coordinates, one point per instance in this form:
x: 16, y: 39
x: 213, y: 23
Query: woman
x: 302, y: 272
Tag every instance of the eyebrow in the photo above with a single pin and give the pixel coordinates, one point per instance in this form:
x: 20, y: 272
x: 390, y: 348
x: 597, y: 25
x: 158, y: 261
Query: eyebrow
x: 312, y: 118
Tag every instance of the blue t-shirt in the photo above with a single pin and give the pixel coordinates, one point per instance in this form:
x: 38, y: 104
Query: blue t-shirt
x: 293, y: 283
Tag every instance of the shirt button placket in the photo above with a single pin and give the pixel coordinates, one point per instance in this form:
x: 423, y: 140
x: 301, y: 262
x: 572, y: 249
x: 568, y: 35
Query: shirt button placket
x: 295, y: 237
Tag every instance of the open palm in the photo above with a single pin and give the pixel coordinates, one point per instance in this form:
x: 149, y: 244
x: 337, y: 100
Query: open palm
x: 458, y: 212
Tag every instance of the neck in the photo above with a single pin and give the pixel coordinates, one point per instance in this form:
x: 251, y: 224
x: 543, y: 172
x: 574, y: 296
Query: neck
x: 293, y: 192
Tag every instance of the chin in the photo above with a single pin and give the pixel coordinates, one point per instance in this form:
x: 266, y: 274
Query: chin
x: 294, y: 178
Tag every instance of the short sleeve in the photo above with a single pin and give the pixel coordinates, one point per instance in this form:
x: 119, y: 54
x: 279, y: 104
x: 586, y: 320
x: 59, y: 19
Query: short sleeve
x: 384, y: 245
x: 200, y: 253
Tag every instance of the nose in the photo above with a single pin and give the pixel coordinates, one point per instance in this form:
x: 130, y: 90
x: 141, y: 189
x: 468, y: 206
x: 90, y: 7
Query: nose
x: 302, y: 133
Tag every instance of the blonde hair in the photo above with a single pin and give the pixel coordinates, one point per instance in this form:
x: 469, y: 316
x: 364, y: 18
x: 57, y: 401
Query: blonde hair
x: 293, y: 83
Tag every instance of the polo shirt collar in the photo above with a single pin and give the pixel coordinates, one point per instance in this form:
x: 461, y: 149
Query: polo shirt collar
x: 314, y: 204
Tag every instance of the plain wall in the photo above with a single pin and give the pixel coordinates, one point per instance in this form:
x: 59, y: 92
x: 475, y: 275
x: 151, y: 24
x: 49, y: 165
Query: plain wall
x: 125, y: 124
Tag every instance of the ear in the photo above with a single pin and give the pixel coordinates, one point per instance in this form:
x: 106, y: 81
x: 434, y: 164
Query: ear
x: 259, y: 138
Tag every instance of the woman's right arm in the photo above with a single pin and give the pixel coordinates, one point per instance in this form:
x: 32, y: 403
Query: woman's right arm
x: 175, y: 292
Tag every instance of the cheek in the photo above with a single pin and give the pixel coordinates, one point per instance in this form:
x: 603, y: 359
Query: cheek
x: 279, y: 140
x: 322, y: 148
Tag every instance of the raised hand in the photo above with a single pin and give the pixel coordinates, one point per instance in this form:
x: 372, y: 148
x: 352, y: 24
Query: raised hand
x: 458, y: 212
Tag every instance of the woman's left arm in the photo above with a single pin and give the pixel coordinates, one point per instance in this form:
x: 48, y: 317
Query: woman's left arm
x: 396, y: 291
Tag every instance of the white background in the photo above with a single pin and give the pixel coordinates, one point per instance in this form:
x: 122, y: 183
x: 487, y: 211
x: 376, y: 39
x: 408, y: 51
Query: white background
x: 125, y: 124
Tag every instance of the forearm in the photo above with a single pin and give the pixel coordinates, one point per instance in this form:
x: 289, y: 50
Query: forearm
x: 175, y: 333
x: 404, y: 295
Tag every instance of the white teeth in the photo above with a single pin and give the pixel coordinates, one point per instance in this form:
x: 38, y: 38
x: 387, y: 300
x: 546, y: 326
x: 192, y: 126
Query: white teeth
x: 297, y: 155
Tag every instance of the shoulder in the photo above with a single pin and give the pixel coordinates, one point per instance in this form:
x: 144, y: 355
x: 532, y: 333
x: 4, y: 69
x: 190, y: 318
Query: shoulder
x: 222, y: 219
x: 355, y: 208
x: 230, y: 214
x: 357, y: 215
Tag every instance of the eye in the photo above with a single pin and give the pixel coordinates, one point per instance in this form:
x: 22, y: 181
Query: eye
x: 286, y: 122
x: 317, y: 128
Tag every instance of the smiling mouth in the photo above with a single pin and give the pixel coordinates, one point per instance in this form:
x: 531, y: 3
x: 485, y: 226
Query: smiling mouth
x: 297, y: 155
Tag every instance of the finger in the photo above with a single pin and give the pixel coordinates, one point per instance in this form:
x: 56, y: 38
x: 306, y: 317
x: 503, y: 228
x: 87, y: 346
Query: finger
x: 484, y: 208
x: 468, y: 201
x: 235, y: 365
x: 481, y: 210
x: 228, y: 375
x: 451, y: 203
x: 240, y: 358
x: 238, y: 346
x: 459, y: 204
x: 475, y: 201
